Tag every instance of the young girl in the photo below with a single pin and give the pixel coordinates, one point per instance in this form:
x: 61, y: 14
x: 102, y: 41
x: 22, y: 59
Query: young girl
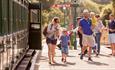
x: 65, y: 40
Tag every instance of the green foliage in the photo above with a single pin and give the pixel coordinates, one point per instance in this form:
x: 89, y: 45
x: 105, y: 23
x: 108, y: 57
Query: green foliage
x: 91, y: 6
x: 102, y: 1
x: 47, y: 15
x: 55, y: 12
x: 49, y: 12
x: 72, y: 38
x: 47, y: 3
x: 113, y: 7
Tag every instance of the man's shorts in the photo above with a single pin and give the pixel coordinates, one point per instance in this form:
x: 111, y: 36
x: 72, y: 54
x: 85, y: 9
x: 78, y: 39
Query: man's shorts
x: 88, y: 40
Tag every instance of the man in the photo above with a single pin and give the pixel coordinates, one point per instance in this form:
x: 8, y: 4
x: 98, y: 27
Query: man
x: 87, y: 33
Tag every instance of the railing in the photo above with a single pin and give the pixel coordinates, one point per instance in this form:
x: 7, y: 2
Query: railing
x: 12, y: 48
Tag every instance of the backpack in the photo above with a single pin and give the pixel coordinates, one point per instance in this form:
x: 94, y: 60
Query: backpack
x: 45, y: 30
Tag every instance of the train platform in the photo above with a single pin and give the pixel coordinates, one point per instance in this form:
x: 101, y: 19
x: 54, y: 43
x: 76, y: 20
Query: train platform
x: 103, y: 62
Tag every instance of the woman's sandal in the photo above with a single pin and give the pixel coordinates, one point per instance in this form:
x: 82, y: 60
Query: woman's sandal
x: 50, y: 63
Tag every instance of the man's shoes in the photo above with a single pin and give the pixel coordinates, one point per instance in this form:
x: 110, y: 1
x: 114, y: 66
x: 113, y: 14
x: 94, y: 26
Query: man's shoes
x: 85, y: 52
x: 81, y: 57
x: 50, y: 62
x: 89, y: 59
x: 97, y: 54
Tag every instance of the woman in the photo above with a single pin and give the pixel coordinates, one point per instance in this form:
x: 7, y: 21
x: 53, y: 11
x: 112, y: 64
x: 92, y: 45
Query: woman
x: 51, y: 40
x: 111, y: 27
x: 98, y: 27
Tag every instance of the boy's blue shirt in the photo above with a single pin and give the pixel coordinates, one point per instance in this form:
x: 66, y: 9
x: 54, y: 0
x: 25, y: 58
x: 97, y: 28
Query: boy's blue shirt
x: 64, y: 40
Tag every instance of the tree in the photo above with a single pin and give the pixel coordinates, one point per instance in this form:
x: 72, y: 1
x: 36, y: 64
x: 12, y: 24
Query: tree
x: 55, y: 12
x: 47, y: 3
x: 113, y: 7
x: 48, y: 12
x: 102, y: 1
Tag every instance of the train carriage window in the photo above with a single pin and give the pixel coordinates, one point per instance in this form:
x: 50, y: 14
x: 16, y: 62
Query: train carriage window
x: 34, y: 17
x: 35, y: 26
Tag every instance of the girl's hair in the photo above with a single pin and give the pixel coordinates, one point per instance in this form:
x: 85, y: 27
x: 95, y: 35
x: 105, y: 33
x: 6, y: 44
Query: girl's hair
x: 97, y: 16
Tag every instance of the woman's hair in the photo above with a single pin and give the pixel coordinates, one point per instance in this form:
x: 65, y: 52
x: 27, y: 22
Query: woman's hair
x: 55, y: 19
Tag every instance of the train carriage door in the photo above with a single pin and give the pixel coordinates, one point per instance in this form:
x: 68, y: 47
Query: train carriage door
x: 35, y: 39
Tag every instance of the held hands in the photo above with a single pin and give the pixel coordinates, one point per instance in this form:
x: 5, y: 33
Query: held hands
x: 112, y: 30
x: 69, y: 43
x: 57, y: 33
x: 106, y: 29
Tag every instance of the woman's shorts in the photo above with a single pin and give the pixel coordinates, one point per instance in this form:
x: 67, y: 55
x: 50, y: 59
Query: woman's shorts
x: 64, y: 49
x: 52, y: 41
x: 112, y: 38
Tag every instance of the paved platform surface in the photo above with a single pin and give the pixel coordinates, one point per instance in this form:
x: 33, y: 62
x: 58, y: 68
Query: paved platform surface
x: 103, y: 62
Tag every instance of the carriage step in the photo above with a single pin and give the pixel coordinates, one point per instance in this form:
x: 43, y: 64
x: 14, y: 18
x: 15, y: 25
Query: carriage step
x: 26, y: 61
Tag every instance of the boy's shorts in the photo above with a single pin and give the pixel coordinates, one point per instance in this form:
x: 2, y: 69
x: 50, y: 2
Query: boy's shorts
x: 64, y: 49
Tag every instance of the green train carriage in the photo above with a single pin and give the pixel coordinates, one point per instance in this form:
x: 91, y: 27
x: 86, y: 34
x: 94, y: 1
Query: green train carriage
x: 13, y: 31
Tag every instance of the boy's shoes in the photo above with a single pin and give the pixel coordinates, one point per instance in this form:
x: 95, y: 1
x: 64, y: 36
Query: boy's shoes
x: 90, y: 59
x: 81, y: 57
x: 63, y: 60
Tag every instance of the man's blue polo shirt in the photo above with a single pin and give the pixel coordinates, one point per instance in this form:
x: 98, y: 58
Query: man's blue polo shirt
x: 86, y: 26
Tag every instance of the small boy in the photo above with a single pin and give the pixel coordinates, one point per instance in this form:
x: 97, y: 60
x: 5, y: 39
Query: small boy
x: 65, y: 40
